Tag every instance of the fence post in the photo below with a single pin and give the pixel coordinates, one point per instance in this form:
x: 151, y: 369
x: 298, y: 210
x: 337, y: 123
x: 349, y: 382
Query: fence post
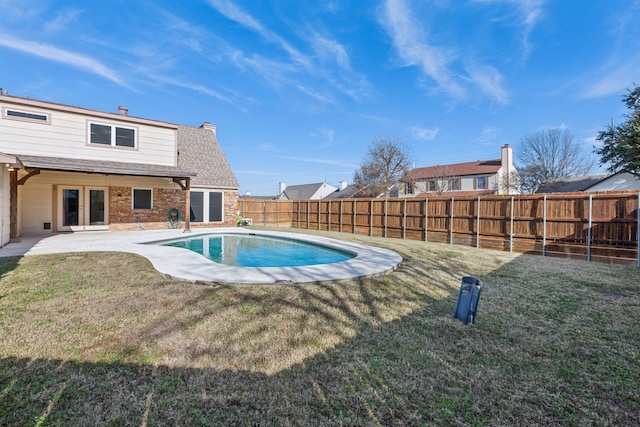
x: 299, y: 225
x: 385, y: 217
x: 478, y: 225
x: 511, y: 227
x: 589, y: 229
x: 319, y: 214
x: 354, y: 216
x: 340, y: 217
x: 242, y: 213
x: 264, y: 214
x: 451, y: 224
x: 278, y: 213
x: 404, y: 219
x: 329, y: 216
x: 371, y: 218
x: 638, y: 230
x: 308, y: 212
x: 426, y: 219
x: 544, y: 226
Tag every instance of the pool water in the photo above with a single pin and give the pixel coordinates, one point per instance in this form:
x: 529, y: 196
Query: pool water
x: 259, y: 251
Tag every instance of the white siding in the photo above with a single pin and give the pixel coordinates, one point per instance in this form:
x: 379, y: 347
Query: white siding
x: 37, y: 195
x: 66, y: 136
x: 5, y: 226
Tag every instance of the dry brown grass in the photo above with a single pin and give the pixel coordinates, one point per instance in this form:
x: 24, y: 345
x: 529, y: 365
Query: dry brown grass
x: 556, y: 341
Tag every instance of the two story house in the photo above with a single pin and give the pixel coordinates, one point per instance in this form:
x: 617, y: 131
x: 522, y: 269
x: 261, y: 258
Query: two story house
x: 66, y: 168
x: 498, y: 176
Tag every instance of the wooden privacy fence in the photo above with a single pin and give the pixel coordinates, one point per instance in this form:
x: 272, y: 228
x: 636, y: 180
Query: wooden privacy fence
x: 596, y: 227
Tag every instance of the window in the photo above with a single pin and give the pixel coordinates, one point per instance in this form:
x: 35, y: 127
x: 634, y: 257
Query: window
x: 206, y: 206
x: 409, y: 188
x: 26, y: 115
x: 142, y: 198
x: 215, y: 206
x: 116, y: 136
x: 431, y: 186
x: 481, y: 183
x: 197, y: 206
x: 454, y: 184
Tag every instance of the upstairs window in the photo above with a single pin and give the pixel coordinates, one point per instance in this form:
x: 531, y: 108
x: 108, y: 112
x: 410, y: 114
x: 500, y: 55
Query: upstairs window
x: 29, y: 116
x: 431, y: 185
x: 115, y: 136
x: 481, y: 183
x: 409, y: 188
x: 454, y: 184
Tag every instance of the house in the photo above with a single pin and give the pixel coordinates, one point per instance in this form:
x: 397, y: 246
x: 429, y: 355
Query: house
x: 571, y: 184
x: 67, y: 168
x: 620, y: 181
x: 305, y: 191
x: 497, y: 176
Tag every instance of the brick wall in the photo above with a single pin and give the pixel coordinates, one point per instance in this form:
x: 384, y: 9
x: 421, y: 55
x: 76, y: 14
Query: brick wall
x: 123, y: 217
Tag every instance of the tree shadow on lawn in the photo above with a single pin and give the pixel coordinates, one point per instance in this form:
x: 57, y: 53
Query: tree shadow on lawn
x: 535, y: 356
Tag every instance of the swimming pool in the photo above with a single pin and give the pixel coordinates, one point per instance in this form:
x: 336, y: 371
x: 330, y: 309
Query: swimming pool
x: 188, y: 265
x: 251, y: 250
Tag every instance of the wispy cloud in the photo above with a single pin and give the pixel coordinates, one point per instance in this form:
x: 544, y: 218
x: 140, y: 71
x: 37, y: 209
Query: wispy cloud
x: 326, y: 135
x: 236, y: 14
x: 318, y: 160
x: 424, y: 133
x: 63, y: 56
x: 530, y: 13
x: 62, y: 20
x: 410, y: 44
x: 490, y: 81
x: 489, y: 135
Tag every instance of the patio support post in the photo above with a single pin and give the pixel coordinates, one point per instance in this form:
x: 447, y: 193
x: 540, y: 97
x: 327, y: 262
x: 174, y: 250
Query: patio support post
x: 589, y: 232
x: 13, y: 204
x: 187, y: 210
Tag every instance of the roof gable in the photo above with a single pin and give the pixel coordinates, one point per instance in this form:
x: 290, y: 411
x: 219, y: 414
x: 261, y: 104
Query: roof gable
x: 199, y: 150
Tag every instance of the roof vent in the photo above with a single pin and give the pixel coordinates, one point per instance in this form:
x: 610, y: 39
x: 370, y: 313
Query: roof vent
x: 123, y: 110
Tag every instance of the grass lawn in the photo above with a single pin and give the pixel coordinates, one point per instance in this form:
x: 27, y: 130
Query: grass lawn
x: 103, y: 339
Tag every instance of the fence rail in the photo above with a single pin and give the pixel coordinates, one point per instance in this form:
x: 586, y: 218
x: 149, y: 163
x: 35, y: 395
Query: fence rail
x: 596, y: 227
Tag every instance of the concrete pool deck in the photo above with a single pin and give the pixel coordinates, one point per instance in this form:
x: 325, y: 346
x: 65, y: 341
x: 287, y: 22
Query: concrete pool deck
x: 187, y: 265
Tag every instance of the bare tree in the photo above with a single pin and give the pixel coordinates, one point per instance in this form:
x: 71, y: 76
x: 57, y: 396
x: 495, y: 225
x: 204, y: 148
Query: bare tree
x: 385, y: 165
x: 443, y: 180
x: 551, y: 153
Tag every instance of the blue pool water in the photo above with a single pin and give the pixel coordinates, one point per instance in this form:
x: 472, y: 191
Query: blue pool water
x: 259, y: 251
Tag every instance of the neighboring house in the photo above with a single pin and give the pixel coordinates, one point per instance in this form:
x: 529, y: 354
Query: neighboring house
x: 571, y: 184
x: 68, y: 168
x: 305, y: 191
x: 497, y: 176
x: 620, y: 181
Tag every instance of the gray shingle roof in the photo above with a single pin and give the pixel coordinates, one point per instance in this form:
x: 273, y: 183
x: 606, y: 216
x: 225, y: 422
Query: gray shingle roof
x: 301, y: 192
x: 569, y: 185
x: 199, y: 150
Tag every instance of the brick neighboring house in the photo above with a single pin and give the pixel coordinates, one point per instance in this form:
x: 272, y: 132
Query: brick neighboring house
x: 67, y: 168
x: 465, y: 179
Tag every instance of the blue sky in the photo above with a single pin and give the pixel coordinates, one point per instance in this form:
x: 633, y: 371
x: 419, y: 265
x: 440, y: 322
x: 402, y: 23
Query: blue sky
x: 298, y: 89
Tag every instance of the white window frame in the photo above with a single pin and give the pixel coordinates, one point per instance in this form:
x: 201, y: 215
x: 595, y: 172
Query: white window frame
x: 206, y: 205
x: 113, y: 127
x: 133, y: 199
x: 6, y: 115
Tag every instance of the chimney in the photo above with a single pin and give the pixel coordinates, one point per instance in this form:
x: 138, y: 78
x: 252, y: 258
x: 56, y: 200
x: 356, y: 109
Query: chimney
x: 209, y: 126
x: 281, y: 187
x: 506, y: 161
x: 123, y: 110
x: 343, y: 185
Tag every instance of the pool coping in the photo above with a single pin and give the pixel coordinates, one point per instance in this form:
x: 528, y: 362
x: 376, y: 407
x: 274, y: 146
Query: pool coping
x: 188, y: 265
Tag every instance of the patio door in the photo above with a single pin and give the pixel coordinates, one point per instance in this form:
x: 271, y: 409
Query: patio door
x: 82, y: 208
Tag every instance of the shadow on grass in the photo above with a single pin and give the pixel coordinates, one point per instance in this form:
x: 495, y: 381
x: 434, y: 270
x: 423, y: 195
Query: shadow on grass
x: 545, y: 350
